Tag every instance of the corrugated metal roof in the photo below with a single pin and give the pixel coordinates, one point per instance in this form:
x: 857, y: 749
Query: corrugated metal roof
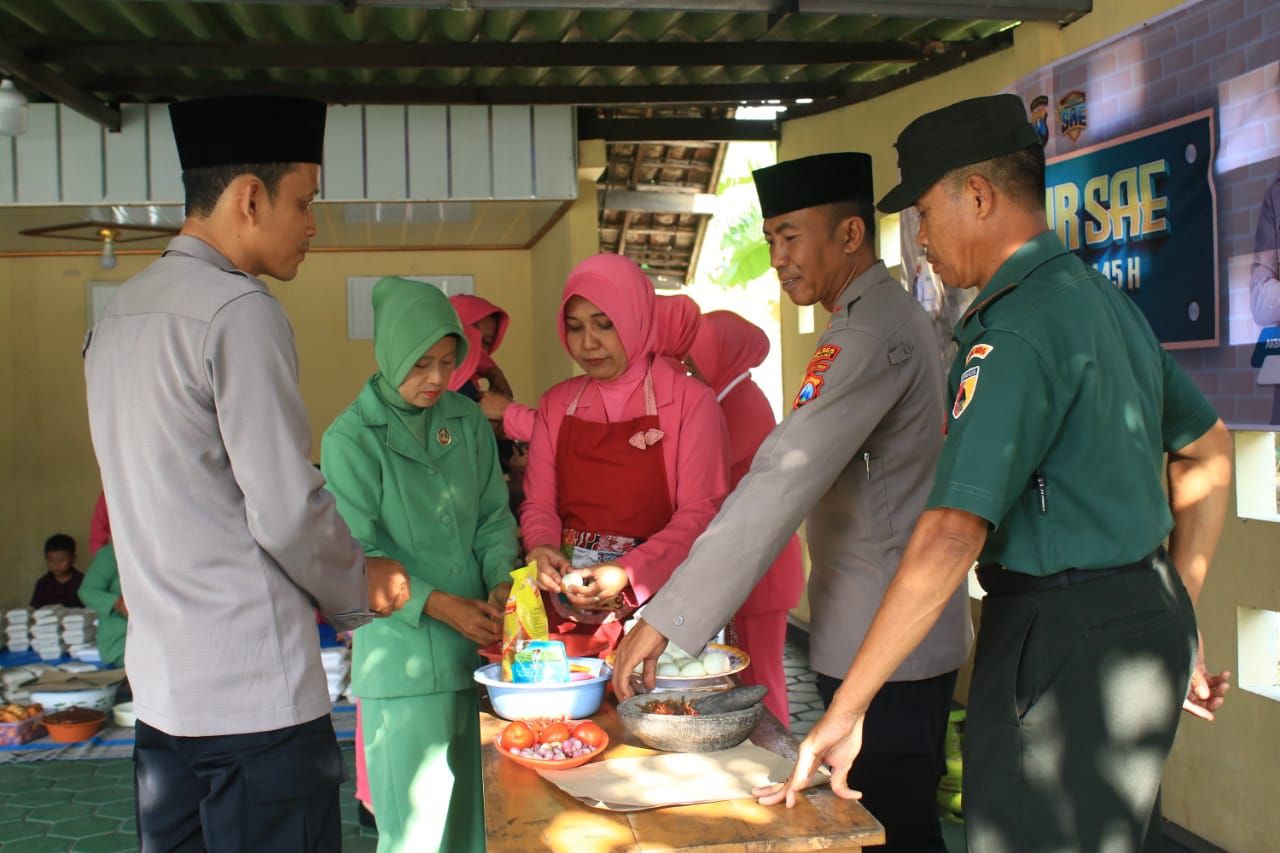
x: 128, y: 50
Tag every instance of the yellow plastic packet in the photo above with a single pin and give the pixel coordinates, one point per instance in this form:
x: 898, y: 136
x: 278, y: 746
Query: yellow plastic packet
x: 524, y: 618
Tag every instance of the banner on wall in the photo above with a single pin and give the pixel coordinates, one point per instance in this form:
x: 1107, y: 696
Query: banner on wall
x: 1141, y: 209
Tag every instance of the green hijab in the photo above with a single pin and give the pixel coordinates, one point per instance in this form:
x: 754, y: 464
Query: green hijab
x: 409, y: 317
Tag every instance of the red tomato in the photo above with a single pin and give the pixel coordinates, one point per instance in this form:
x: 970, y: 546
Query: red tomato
x: 589, y: 733
x: 516, y: 736
x: 554, y: 733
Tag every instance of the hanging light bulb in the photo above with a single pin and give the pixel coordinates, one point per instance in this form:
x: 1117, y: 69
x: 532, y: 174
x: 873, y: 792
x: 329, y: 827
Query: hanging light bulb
x: 108, y: 248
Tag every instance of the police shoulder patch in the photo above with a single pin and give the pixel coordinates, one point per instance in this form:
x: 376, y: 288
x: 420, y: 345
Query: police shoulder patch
x: 964, y: 394
x: 811, y: 388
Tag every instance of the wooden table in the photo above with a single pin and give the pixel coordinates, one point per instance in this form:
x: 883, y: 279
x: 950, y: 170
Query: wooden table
x: 523, y: 811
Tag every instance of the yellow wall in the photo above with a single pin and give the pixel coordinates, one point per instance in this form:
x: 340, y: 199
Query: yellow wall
x: 1222, y: 778
x: 48, y: 474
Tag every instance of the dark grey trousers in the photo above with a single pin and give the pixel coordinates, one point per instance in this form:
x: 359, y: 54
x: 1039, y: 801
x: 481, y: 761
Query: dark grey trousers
x: 265, y: 792
x: 1074, y: 703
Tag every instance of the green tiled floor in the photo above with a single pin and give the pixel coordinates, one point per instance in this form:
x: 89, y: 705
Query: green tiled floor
x: 56, y: 806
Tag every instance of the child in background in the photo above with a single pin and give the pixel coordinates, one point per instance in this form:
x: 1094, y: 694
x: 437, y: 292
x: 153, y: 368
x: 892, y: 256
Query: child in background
x: 61, y: 584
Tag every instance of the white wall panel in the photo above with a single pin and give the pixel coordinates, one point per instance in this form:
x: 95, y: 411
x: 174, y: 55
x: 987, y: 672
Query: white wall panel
x: 82, y: 181
x: 8, y: 180
x: 344, y: 154
x: 428, y: 153
x: 38, y: 157
x: 470, y: 166
x: 512, y: 152
x: 555, y: 152
x: 127, y: 156
x: 385, y: 153
x: 164, y: 167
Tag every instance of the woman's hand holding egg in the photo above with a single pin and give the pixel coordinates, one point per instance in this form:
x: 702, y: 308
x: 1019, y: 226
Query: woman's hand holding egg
x: 552, y: 565
x: 605, y: 582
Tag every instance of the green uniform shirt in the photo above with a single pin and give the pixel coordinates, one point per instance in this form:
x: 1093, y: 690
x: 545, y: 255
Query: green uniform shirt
x: 440, y: 509
x: 1063, y: 405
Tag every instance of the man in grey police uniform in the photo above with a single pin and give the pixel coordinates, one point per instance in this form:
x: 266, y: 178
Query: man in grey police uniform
x: 856, y: 456
x: 227, y: 540
x: 1053, y: 474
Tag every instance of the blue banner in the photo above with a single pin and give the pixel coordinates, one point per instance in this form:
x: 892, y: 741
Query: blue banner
x: 1141, y: 210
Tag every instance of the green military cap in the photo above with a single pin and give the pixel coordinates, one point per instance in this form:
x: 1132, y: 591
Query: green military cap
x: 812, y: 181
x: 966, y: 132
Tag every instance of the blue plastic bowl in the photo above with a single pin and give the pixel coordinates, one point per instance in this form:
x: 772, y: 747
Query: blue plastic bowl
x: 576, y: 700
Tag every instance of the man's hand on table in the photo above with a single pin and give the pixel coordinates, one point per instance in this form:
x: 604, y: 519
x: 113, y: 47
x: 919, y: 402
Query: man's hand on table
x: 835, y: 742
x: 641, y: 643
x: 388, y: 585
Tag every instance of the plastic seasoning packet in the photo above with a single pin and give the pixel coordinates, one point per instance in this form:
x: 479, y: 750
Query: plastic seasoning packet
x: 524, y: 618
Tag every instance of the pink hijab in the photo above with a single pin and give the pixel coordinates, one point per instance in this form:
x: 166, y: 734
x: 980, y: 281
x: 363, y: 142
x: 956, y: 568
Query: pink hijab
x: 473, y: 309
x: 619, y: 288
x: 467, y: 367
x: 678, y: 318
x: 726, y: 348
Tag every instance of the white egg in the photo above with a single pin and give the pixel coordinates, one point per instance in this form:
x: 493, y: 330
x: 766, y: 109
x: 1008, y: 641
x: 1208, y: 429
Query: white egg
x: 678, y: 653
x: 668, y: 669
x: 715, y: 663
x: 572, y: 579
x: 665, y: 658
x: 693, y: 667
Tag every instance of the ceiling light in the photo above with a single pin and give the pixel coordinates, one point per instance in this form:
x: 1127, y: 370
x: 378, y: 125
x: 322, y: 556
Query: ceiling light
x: 108, y: 248
x: 13, y: 110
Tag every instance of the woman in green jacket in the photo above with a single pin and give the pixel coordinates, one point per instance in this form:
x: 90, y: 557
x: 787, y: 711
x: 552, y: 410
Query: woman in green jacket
x: 414, y: 468
x: 100, y: 590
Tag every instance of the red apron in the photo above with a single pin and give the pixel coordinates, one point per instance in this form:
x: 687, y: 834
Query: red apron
x: 611, y: 483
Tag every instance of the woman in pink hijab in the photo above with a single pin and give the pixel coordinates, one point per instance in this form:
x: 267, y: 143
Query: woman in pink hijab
x: 497, y: 402
x: 628, y: 464
x: 678, y: 318
x: 490, y: 323
x: 723, y: 353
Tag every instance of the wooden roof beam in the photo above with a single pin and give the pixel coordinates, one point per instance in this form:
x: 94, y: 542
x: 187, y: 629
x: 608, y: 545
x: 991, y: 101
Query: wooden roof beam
x: 470, y: 54
x: 169, y: 86
x: 42, y: 79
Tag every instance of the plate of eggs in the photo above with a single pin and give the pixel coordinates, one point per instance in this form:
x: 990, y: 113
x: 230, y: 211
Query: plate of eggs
x: 677, y: 669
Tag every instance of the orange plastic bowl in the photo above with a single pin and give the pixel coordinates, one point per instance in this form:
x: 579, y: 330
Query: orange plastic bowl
x: 551, y: 763
x: 74, y: 724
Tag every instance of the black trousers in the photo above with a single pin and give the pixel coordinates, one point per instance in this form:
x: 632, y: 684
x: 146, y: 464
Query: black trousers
x: 1073, y: 707
x: 902, y: 758
x: 266, y: 791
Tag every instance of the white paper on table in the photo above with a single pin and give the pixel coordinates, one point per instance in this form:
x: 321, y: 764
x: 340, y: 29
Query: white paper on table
x: 673, y: 778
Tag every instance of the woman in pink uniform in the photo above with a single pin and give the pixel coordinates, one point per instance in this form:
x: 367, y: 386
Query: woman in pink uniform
x: 724, y: 351
x: 628, y: 464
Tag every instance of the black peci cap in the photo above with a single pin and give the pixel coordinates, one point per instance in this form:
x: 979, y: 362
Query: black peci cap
x: 964, y: 133
x: 811, y: 181
x: 248, y: 129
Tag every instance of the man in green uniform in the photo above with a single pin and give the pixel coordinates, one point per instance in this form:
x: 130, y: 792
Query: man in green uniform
x: 1063, y: 407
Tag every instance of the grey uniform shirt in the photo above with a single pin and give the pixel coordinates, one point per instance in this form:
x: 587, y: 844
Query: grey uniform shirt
x: 858, y: 459
x: 224, y: 532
